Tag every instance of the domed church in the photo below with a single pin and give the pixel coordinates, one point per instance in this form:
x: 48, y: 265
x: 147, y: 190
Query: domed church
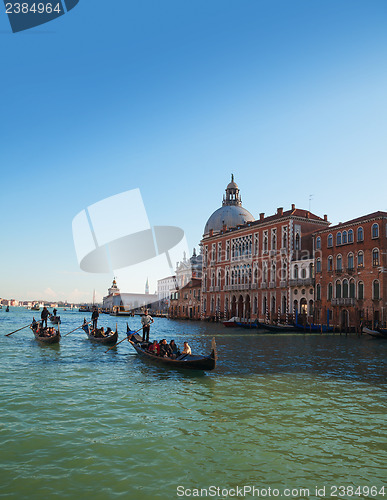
x: 231, y: 213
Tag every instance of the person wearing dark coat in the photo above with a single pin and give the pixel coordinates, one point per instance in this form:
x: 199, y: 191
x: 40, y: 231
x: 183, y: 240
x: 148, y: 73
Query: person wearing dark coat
x: 45, y: 314
x: 54, y: 311
x: 94, y: 317
x: 165, y: 349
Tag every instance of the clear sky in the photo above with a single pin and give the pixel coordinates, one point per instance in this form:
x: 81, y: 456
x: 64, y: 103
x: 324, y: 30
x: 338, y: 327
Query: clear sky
x: 171, y: 97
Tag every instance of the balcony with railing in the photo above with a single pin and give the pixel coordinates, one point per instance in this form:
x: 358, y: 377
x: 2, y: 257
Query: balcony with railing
x: 344, y: 302
x: 302, y: 282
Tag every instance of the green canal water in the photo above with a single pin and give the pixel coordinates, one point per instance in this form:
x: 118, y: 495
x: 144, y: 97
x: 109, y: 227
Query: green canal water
x: 286, y: 412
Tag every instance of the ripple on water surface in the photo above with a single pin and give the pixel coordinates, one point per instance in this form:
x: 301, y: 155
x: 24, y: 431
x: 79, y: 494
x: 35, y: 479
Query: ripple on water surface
x: 279, y: 411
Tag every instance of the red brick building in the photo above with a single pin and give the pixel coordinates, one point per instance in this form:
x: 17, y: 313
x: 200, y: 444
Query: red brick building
x: 247, y: 262
x: 350, y: 273
x: 186, y: 302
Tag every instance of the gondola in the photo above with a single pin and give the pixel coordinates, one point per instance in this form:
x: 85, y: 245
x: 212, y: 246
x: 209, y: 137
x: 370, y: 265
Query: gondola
x: 279, y: 328
x: 191, y: 361
x: 55, y: 319
x: 248, y: 324
x: 314, y: 328
x: 375, y: 333
x: 41, y: 335
x: 109, y: 339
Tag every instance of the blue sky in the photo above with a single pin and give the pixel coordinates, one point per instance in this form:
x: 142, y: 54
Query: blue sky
x: 171, y: 97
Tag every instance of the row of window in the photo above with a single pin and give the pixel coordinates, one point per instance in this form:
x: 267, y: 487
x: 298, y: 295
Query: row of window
x: 342, y: 238
x: 346, y: 289
x: 350, y: 261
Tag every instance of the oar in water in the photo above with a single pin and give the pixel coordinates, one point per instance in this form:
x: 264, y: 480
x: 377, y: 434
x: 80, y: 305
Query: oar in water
x: 83, y: 324
x: 8, y: 334
x: 122, y: 340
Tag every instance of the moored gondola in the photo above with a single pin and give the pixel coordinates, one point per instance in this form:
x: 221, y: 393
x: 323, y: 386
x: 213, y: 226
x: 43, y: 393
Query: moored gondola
x: 99, y: 336
x: 45, y: 335
x: 186, y: 361
x: 375, y: 333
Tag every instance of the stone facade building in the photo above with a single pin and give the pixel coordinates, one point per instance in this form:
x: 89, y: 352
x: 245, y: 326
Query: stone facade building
x: 350, y: 270
x: 186, y: 302
x: 247, y: 263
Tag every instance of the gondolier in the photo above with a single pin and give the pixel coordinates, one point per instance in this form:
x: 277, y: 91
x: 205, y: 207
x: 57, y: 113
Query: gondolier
x: 146, y: 322
x: 94, y: 317
x: 44, y: 317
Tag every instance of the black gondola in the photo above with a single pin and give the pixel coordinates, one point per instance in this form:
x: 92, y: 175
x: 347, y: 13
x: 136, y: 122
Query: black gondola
x: 190, y: 361
x: 375, y: 333
x: 55, y: 319
x: 43, y: 335
x: 98, y: 336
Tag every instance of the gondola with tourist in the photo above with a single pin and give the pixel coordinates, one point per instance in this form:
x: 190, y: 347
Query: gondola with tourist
x: 48, y: 335
x: 99, y: 335
x: 186, y: 361
x: 55, y: 320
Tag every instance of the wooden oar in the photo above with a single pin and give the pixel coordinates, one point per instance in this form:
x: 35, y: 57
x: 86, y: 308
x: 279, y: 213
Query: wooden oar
x: 83, y: 324
x: 8, y: 334
x: 122, y: 340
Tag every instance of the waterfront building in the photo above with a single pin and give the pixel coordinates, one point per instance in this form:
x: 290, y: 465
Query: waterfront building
x: 350, y: 271
x: 188, y: 269
x: 164, y: 289
x: 117, y: 301
x: 301, y: 286
x: 247, y: 263
x: 186, y: 302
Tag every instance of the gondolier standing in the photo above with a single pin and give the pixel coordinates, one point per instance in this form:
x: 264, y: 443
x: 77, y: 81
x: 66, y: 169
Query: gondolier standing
x: 146, y: 322
x: 94, y: 317
x: 44, y: 315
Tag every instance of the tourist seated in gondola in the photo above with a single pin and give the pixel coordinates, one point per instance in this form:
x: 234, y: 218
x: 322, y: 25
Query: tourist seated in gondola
x: 187, y: 349
x: 165, y: 350
x: 108, y: 331
x: 175, y: 350
x: 154, y: 348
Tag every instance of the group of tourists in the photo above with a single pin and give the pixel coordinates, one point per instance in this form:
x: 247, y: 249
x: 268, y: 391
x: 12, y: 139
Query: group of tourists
x: 43, y: 331
x: 165, y: 350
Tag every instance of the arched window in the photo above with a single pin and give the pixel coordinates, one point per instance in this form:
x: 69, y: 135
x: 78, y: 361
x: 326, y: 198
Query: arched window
x: 296, y: 272
x: 352, y: 289
x: 338, y: 289
x: 330, y: 263
x: 345, y: 237
x: 227, y: 278
x: 298, y: 247
x: 350, y: 236
x: 330, y: 241
x: 339, y: 263
x: 360, y: 259
x: 345, y: 289
x: 318, y: 291
x: 255, y: 306
x: 375, y: 257
x: 338, y: 238
x: 284, y: 304
x: 256, y: 275
x: 318, y: 242
x: 350, y: 262
x: 330, y: 291
x: 360, y: 234
x: 375, y: 290
x: 375, y: 230
x: 303, y: 272
x: 360, y: 290
x: 318, y: 266
x: 311, y: 270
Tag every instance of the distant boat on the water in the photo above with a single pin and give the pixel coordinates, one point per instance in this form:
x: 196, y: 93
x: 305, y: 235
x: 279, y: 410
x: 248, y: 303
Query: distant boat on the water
x: 35, y: 307
x: 7, y: 310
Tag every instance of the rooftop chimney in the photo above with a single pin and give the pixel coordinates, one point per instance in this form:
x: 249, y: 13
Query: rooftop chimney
x: 307, y: 213
x: 261, y: 215
x: 326, y: 217
x: 293, y: 206
x: 280, y: 211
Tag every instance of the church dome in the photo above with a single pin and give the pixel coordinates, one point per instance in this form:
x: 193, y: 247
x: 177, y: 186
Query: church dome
x: 231, y: 213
